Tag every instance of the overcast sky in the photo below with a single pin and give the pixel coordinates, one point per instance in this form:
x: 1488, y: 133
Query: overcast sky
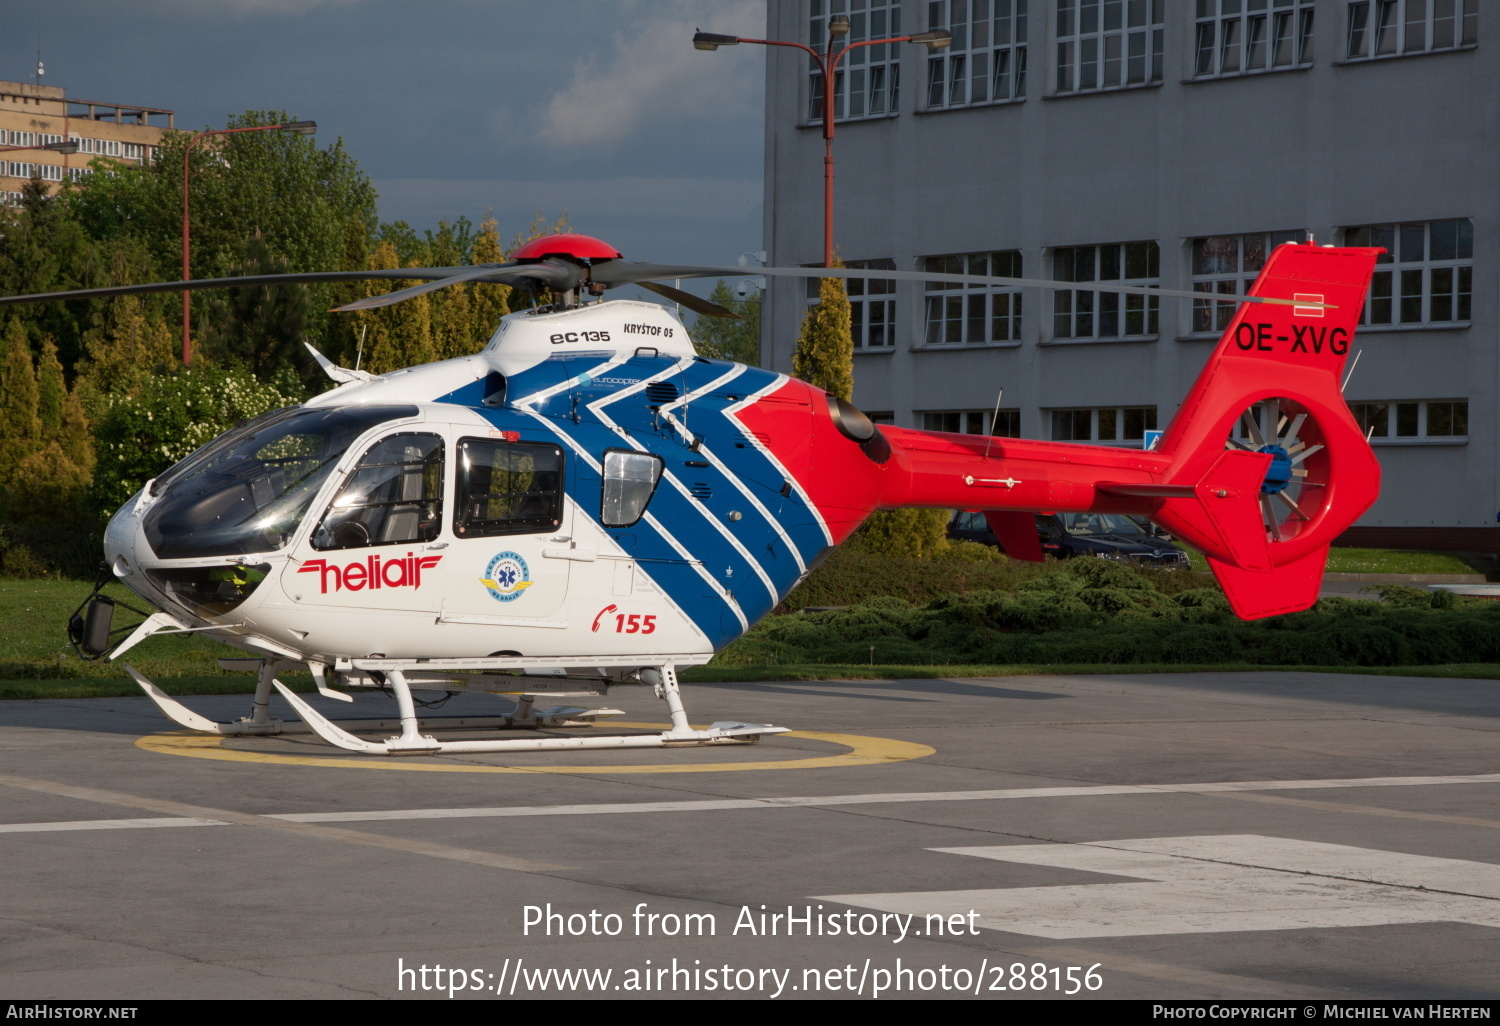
x: 601, y: 108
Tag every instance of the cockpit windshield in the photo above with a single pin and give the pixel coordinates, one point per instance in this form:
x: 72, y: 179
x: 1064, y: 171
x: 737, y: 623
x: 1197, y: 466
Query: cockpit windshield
x: 248, y: 491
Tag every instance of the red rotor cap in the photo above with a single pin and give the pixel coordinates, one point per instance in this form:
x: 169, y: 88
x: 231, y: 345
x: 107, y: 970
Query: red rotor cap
x: 579, y: 247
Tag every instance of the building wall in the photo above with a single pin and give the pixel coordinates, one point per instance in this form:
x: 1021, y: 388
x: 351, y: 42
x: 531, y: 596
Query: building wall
x: 34, y: 115
x: 1335, y: 144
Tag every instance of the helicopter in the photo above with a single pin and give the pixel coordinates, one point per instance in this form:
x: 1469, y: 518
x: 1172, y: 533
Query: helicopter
x: 589, y: 499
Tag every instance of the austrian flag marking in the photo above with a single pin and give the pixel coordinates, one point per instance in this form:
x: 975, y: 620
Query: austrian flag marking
x: 1308, y: 311
x: 371, y: 572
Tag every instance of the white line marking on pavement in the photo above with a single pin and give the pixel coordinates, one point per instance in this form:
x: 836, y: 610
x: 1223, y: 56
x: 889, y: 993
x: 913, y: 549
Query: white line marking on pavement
x: 107, y: 824
x: 814, y: 801
x: 1215, y: 884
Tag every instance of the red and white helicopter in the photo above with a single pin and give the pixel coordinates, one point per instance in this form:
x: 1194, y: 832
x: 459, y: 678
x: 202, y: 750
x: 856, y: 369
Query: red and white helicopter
x: 589, y: 498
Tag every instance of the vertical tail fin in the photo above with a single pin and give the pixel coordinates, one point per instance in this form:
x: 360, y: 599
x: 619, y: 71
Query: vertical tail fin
x: 1297, y: 471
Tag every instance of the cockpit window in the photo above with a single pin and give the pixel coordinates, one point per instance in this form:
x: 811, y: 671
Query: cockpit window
x: 394, y: 496
x: 629, y: 480
x: 507, y: 488
x: 248, y: 492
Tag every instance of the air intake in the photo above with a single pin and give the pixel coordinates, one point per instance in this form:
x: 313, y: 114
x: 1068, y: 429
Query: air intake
x: 660, y: 393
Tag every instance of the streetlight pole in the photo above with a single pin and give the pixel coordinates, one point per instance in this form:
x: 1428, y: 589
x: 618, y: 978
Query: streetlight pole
x: 68, y: 146
x: 828, y: 62
x: 300, y: 127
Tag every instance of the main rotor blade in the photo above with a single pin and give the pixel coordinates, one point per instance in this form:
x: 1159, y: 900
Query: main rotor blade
x: 687, y: 299
x: 626, y: 272
x: 248, y: 281
x: 554, y: 274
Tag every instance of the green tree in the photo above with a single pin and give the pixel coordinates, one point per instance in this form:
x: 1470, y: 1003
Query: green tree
x: 399, y: 335
x: 490, y: 301
x: 52, y: 391
x: 20, y: 427
x: 905, y: 532
x: 825, y: 347
x: 129, y: 348
x: 141, y: 435
x: 297, y: 197
x: 260, y: 328
x: 721, y: 338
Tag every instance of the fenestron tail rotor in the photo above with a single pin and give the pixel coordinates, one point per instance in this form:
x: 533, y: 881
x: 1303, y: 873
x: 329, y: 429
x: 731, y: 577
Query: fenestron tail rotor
x: 1294, y: 488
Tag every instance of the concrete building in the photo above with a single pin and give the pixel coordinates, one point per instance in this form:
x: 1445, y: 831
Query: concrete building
x: 1167, y: 142
x: 34, y: 116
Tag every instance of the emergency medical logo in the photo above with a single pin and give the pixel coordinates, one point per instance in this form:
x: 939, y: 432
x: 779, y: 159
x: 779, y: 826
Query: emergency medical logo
x: 507, y: 577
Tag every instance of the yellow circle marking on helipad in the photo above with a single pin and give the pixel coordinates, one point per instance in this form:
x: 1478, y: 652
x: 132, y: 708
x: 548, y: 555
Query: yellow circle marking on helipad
x: 863, y: 751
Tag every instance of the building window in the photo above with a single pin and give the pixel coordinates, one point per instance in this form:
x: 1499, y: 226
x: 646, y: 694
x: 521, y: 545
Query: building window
x: 872, y: 306
x: 22, y: 138
x: 1108, y: 44
x: 986, y: 62
x: 1237, y: 37
x: 78, y: 174
x: 1110, y: 424
x: 49, y: 172
x: 1389, y: 28
x: 1425, y: 275
x: 958, y: 314
x: 1005, y: 424
x: 868, y: 82
x: 1105, y: 315
x: 1228, y: 264
x: 1413, y: 421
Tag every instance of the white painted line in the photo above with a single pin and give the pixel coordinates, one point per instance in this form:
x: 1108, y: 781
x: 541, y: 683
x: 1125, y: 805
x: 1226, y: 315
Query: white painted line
x: 107, y: 824
x: 882, y: 799
x: 812, y: 801
x: 1212, y: 885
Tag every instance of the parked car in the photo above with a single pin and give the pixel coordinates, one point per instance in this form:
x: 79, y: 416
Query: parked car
x: 1105, y: 535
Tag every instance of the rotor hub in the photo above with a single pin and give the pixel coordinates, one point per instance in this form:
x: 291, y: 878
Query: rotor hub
x: 1279, y: 473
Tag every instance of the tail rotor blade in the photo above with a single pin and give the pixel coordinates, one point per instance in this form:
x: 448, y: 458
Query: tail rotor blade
x: 1273, y: 522
x: 1253, y: 427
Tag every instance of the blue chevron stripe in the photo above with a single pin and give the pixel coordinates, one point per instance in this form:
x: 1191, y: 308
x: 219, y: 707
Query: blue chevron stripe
x: 577, y: 380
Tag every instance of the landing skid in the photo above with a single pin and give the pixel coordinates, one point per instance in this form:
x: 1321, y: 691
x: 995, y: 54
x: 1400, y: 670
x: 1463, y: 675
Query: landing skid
x: 260, y: 723
x: 411, y: 741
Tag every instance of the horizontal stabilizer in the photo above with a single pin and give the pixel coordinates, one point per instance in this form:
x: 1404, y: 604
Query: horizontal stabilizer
x: 1224, y: 516
x: 1147, y: 491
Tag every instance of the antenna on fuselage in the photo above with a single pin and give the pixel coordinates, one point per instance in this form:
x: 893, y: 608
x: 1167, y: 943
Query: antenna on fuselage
x: 360, y: 355
x: 994, y: 422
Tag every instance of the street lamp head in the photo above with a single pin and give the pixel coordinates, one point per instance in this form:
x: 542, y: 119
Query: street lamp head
x: 937, y: 39
x: 712, y: 40
x: 66, y: 146
x: 838, y: 25
x: 300, y: 127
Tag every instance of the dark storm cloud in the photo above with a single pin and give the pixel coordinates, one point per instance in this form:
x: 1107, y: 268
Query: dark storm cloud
x: 458, y: 106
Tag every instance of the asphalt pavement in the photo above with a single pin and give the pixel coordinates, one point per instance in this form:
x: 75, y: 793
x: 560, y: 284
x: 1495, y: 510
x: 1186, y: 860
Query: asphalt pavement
x: 1250, y: 835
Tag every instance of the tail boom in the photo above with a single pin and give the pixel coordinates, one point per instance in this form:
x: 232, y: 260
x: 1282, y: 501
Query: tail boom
x: 1285, y: 359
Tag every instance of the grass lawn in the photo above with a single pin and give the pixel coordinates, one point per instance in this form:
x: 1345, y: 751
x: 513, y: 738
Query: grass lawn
x: 36, y: 661
x: 1379, y: 561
